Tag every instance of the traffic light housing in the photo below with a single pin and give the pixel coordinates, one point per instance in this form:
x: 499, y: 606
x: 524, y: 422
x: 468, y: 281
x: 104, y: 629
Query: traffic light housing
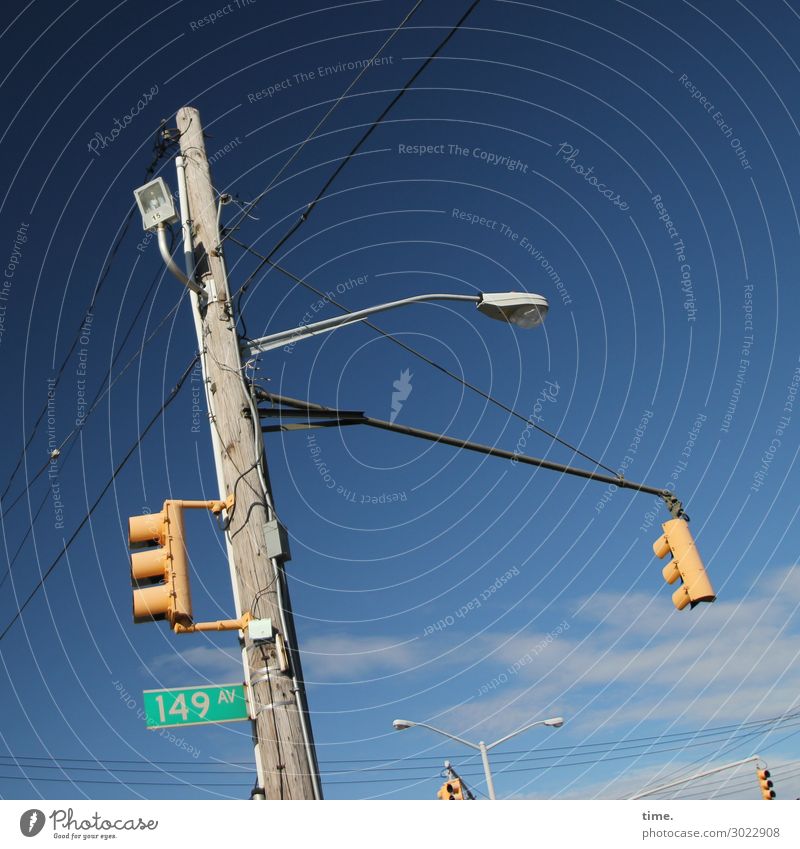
x: 160, y: 574
x: 451, y: 789
x: 686, y: 564
x: 765, y: 784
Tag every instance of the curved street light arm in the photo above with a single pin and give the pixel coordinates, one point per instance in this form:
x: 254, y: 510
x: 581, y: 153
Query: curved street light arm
x: 514, y: 733
x: 170, y: 262
x: 697, y: 775
x: 447, y: 734
x: 306, y: 331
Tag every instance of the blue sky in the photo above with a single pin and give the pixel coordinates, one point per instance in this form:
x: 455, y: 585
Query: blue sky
x: 633, y: 163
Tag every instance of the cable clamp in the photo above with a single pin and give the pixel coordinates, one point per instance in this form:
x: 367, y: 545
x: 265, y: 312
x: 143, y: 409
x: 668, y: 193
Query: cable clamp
x: 266, y: 676
x: 271, y: 706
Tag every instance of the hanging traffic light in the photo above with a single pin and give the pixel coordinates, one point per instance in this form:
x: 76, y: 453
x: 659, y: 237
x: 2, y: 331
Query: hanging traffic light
x: 765, y: 784
x: 685, y: 565
x: 160, y: 575
x: 451, y: 789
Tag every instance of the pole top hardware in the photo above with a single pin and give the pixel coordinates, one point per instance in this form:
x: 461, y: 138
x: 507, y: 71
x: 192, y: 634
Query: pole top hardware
x: 674, y: 506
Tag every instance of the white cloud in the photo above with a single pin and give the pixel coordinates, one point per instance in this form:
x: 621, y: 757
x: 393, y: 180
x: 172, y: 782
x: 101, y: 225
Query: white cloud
x: 346, y: 658
x: 734, y: 783
x: 203, y: 663
x: 730, y: 659
x: 719, y: 663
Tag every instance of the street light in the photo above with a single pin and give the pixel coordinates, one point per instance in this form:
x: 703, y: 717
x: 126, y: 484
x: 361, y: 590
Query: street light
x: 520, y: 308
x: 554, y: 722
x: 155, y: 204
x: 158, y: 210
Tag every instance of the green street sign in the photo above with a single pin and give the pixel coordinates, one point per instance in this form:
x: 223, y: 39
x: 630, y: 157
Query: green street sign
x: 195, y: 705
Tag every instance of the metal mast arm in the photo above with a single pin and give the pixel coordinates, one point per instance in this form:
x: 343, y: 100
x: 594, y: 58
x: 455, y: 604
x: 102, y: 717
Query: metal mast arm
x: 673, y: 504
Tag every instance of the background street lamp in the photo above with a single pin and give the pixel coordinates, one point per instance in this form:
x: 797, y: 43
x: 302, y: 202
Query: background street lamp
x: 554, y: 722
x: 520, y: 308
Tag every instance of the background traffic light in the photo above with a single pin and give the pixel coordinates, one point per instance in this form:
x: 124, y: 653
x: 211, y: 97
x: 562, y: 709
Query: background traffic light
x: 765, y: 784
x: 686, y: 564
x: 451, y: 789
x: 160, y: 575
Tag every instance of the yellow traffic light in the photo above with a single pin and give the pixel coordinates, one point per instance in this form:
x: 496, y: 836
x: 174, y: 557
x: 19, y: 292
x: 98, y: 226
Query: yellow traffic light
x: 686, y: 564
x: 451, y: 790
x: 160, y: 575
x: 765, y: 784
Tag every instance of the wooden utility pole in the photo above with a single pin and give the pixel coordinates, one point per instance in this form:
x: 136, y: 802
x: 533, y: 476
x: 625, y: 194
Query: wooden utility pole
x: 284, y: 746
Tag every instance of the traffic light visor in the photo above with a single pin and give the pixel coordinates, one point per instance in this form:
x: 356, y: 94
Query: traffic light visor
x: 160, y: 574
x: 147, y: 530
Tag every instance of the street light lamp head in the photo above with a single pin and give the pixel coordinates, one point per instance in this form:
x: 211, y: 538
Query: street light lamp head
x: 555, y: 722
x: 155, y: 203
x: 402, y: 724
x: 520, y: 308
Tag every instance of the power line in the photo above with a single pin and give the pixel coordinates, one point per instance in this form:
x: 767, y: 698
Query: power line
x: 507, y: 758
x: 614, y: 744
x: 101, y: 393
x: 58, y: 760
x: 266, y: 259
x: 231, y: 785
x: 731, y: 783
x: 249, y: 207
x: 567, y: 762
x: 29, y: 529
x: 731, y: 746
x: 173, y: 394
x: 310, y: 208
x: 414, y: 352
x: 750, y: 783
x: 561, y: 765
x: 734, y: 745
x: 747, y: 727
x: 62, y: 763
x: 109, y: 261
x: 734, y: 784
x: 160, y: 148
x: 64, y: 768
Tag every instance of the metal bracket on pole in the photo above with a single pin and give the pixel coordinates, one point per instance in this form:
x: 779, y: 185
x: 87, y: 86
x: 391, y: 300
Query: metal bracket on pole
x: 170, y: 262
x: 215, y: 506
x: 267, y: 670
x: 220, y: 625
x: 219, y: 506
x: 271, y: 706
